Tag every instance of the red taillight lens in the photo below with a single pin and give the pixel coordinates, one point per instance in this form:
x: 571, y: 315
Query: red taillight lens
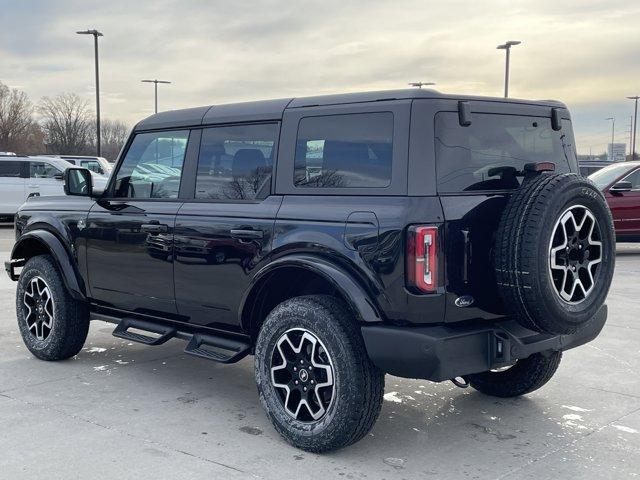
x: 422, y: 265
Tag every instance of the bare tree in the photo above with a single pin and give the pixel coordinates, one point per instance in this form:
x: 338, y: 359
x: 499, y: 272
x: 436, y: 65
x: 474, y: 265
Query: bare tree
x: 67, y: 124
x: 16, y: 119
x: 114, y: 133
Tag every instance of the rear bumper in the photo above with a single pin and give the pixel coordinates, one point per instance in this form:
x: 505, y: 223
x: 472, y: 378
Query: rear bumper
x: 440, y: 352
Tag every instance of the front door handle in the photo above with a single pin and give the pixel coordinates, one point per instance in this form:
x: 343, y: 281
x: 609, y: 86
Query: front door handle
x: 33, y: 186
x: 154, y: 227
x: 251, y: 234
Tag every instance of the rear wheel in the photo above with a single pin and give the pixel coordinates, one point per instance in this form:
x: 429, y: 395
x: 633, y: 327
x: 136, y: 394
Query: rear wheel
x: 53, y: 324
x: 315, y: 380
x: 523, y: 377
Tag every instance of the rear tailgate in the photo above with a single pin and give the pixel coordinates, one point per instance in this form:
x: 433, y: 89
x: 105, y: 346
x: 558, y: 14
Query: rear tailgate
x: 477, y: 167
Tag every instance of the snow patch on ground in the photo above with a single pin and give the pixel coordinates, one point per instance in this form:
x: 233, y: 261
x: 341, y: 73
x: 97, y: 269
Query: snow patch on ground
x: 96, y: 350
x: 572, y: 416
x: 622, y: 428
x: 101, y: 368
x: 576, y: 409
x: 392, y: 397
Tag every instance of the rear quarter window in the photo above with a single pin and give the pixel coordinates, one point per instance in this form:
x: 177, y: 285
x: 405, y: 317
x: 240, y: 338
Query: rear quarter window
x: 490, y: 153
x: 344, y: 151
x: 10, y: 169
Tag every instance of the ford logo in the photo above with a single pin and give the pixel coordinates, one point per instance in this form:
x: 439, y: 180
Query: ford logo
x: 464, y: 301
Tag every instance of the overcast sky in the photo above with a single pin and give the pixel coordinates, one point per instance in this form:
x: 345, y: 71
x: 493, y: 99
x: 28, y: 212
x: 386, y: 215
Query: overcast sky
x: 583, y: 52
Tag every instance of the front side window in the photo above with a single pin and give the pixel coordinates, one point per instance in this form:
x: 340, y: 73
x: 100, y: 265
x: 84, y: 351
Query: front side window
x: 490, y: 154
x: 10, y: 169
x: 42, y: 170
x: 152, y: 167
x: 236, y: 162
x: 605, y: 176
x: 344, y: 151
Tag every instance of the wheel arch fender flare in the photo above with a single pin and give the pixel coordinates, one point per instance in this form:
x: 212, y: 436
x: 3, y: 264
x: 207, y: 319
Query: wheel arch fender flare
x: 53, y: 245
x: 356, y: 296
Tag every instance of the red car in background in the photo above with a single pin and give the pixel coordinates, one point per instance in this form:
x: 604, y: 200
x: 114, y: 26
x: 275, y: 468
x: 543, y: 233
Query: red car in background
x: 620, y: 184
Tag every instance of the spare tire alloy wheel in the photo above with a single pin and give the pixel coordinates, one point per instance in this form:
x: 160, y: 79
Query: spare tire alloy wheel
x: 39, y: 308
x: 554, y: 253
x: 302, y: 373
x: 575, y: 253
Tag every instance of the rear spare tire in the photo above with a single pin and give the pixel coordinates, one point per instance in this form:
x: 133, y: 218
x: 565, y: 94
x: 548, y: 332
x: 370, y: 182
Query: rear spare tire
x: 555, y: 253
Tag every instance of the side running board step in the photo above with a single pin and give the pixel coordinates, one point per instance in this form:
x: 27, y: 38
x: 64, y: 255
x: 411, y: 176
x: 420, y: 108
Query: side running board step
x: 218, y: 349
x: 163, y: 333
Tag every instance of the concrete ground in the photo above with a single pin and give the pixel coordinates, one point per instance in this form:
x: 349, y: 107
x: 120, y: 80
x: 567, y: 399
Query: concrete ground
x: 122, y: 410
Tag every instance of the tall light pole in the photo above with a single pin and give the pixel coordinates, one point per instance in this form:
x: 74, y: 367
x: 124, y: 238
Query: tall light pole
x: 155, y: 82
x: 613, y: 133
x: 635, y: 127
x: 96, y: 34
x: 630, y: 134
x: 507, y: 47
x: 420, y: 84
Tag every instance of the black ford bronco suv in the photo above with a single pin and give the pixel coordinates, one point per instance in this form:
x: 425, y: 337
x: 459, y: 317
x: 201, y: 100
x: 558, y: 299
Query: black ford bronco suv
x: 336, y: 238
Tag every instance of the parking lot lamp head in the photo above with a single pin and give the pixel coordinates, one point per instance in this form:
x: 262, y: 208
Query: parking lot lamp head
x: 155, y: 82
x: 420, y: 84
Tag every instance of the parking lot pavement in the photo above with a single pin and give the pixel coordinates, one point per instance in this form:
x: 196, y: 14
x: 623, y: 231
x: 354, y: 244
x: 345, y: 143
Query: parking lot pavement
x: 122, y: 410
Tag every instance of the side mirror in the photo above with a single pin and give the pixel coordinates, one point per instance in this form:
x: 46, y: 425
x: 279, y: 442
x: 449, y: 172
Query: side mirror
x: 78, y: 182
x: 620, y: 187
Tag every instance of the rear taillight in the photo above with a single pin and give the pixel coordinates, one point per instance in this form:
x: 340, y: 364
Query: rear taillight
x: 422, y: 264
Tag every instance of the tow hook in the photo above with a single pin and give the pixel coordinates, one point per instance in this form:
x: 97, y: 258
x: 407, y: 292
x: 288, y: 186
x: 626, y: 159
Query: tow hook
x: 461, y: 382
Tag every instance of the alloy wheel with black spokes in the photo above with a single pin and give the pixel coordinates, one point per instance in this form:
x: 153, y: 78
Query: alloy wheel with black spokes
x: 53, y: 324
x: 575, y: 254
x: 316, y: 382
x: 302, y: 374
x: 39, y: 308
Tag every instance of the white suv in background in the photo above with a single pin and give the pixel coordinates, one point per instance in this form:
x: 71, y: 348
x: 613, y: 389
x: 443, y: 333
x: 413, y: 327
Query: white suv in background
x: 22, y: 177
x: 96, y: 164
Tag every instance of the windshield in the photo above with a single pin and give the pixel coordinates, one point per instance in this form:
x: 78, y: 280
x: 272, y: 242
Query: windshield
x: 603, y: 178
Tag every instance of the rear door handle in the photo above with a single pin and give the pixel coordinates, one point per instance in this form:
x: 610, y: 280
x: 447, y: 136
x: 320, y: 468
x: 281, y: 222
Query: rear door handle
x: 154, y: 227
x: 33, y: 186
x: 251, y: 234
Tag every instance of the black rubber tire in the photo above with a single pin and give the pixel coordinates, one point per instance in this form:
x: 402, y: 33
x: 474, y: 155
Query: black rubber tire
x: 521, y: 253
x: 359, y: 385
x: 524, y: 377
x: 70, y: 318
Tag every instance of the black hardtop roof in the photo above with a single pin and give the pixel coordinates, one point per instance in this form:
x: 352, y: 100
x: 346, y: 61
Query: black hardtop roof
x: 262, y: 110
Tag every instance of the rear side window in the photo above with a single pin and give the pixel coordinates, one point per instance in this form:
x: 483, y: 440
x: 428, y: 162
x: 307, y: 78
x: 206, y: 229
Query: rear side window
x: 152, y: 167
x: 10, y: 169
x: 492, y: 152
x: 236, y: 162
x: 344, y: 151
x: 91, y: 165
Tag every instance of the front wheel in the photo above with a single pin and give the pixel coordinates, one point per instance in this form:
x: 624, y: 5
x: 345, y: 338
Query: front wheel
x: 314, y: 377
x: 53, y: 324
x: 523, y: 377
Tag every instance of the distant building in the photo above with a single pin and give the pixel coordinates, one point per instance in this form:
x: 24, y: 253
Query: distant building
x: 617, y: 152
